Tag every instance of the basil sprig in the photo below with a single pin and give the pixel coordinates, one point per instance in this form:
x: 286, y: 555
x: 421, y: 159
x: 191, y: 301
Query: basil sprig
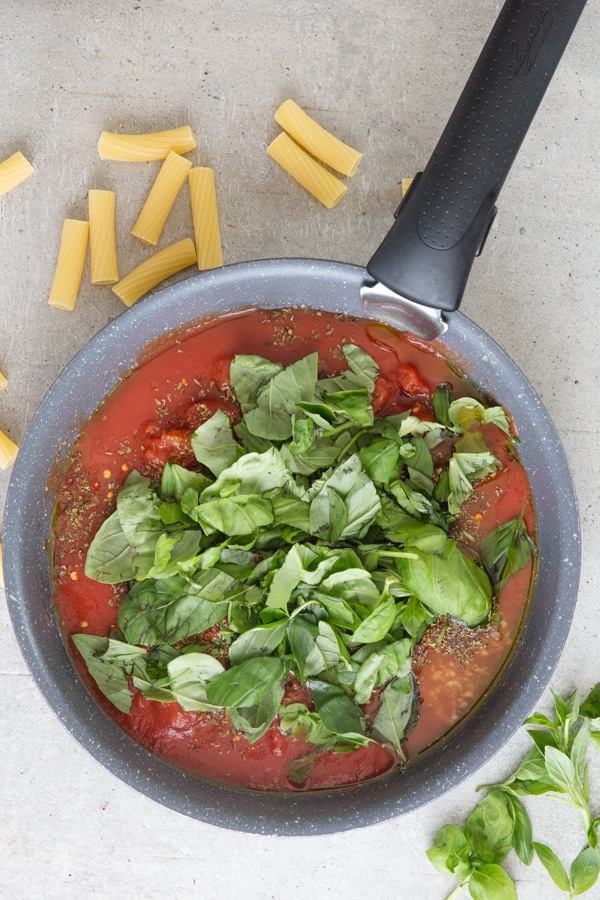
x: 317, y: 537
x: 556, y: 765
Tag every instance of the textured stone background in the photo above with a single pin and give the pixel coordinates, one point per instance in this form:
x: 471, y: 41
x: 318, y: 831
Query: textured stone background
x: 384, y: 77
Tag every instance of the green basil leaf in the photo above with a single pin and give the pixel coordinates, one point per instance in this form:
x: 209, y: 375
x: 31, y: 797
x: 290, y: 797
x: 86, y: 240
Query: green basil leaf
x: 295, y: 719
x: 189, y: 674
x: 324, y: 654
x: 253, y: 473
x: 239, y: 515
x: 328, y: 515
x: 490, y: 826
x: 380, y: 459
x: 259, y: 641
x: 561, y: 771
x: 248, y: 374
x: 167, y: 610
x: 391, y: 661
x: 450, y: 852
x: 522, y: 839
x: 590, y: 708
x: 294, y: 570
x: 254, y: 720
x: 175, y: 480
x: 362, y: 364
x: 442, y: 398
x: 449, y: 585
x: 585, y: 869
x: 275, y: 408
x: 109, y: 662
x: 505, y: 550
x: 397, y: 712
x: 214, y: 444
x: 109, y: 558
x: 245, y: 685
x: 378, y: 622
x: 339, y: 713
x: 553, y: 866
x: 491, y: 882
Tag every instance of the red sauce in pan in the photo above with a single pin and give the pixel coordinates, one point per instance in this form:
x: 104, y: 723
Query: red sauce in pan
x: 149, y: 418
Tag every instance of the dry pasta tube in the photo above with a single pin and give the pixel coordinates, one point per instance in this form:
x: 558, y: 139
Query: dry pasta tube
x: 154, y: 270
x: 406, y: 183
x: 8, y: 451
x: 3, y: 381
x: 329, y: 149
x: 206, y: 218
x: 161, y: 198
x: 144, y: 147
x: 307, y: 172
x: 103, y: 244
x: 13, y: 171
x: 70, y: 263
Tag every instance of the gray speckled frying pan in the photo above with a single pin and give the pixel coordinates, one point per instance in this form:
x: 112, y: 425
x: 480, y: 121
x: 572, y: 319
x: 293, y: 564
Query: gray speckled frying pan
x: 337, y: 287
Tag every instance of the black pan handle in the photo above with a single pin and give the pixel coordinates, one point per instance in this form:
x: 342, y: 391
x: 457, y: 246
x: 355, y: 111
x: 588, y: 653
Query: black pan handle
x: 443, y: 220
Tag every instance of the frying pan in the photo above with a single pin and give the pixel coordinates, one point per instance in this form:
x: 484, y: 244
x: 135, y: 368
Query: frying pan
x: 416, y: 278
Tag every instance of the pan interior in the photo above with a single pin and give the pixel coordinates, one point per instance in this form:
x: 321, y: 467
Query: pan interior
x: 28, y: 518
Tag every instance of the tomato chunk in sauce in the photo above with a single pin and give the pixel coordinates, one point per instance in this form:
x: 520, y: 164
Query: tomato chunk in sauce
x: 149, y: 419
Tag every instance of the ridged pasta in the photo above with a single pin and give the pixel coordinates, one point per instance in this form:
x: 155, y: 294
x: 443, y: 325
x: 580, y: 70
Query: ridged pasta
x: 155, y: 269
x: 8, y: 451
x: 70, y: 263
x: 314, y: 138
x: 307, y: 171
x: 103, y: 245
x: 205, y: 217
x: 13, y: 171
x: 161, y: 198
x: 145, y: 147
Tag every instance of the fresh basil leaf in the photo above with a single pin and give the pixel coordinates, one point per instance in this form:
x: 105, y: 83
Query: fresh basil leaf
x: 506, y: 550
x: 362, y: 364
x: 561, y: 771
x: 248, y: 374
x: 553, y: 866
x: 245, y: 685
x: 377, y: 623
x: 189, y: 674
x: 272, y: 417
x: 359, y: 495
x: 238, y: 515
x: 450, y: 584
x: 490, y: 827
x: 442, y: 398
x: 168, y: 610
x: 339, y: 713
x: 590, y: 708
x: 321, y: 455
x: 420, y: 465
x: 391, y: 661
x: 491, y: 882
x: 380, y: 459
x: 466, y: 412
x: 259, y: 641
x: 450, y: 852
x: 464, y: 470
x: 214, y: 444
x: 324, y: 654
x: 328, y: 515
x: 296, y: 720
x: 397, y: 712
x: 175, y: 480
x: 585, y: 869
x: 109, y: 558
x: 353, y: 405
x: 254, y: 720
x: 522, y: 836
x: 253, y: 473
x: 294, y: 570
x: 109, y: 662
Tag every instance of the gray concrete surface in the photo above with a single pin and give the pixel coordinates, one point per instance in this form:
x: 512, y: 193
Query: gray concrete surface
x: 384, y: 77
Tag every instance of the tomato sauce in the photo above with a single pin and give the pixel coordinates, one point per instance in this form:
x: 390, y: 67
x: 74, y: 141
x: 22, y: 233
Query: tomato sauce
x: 149, y: 418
